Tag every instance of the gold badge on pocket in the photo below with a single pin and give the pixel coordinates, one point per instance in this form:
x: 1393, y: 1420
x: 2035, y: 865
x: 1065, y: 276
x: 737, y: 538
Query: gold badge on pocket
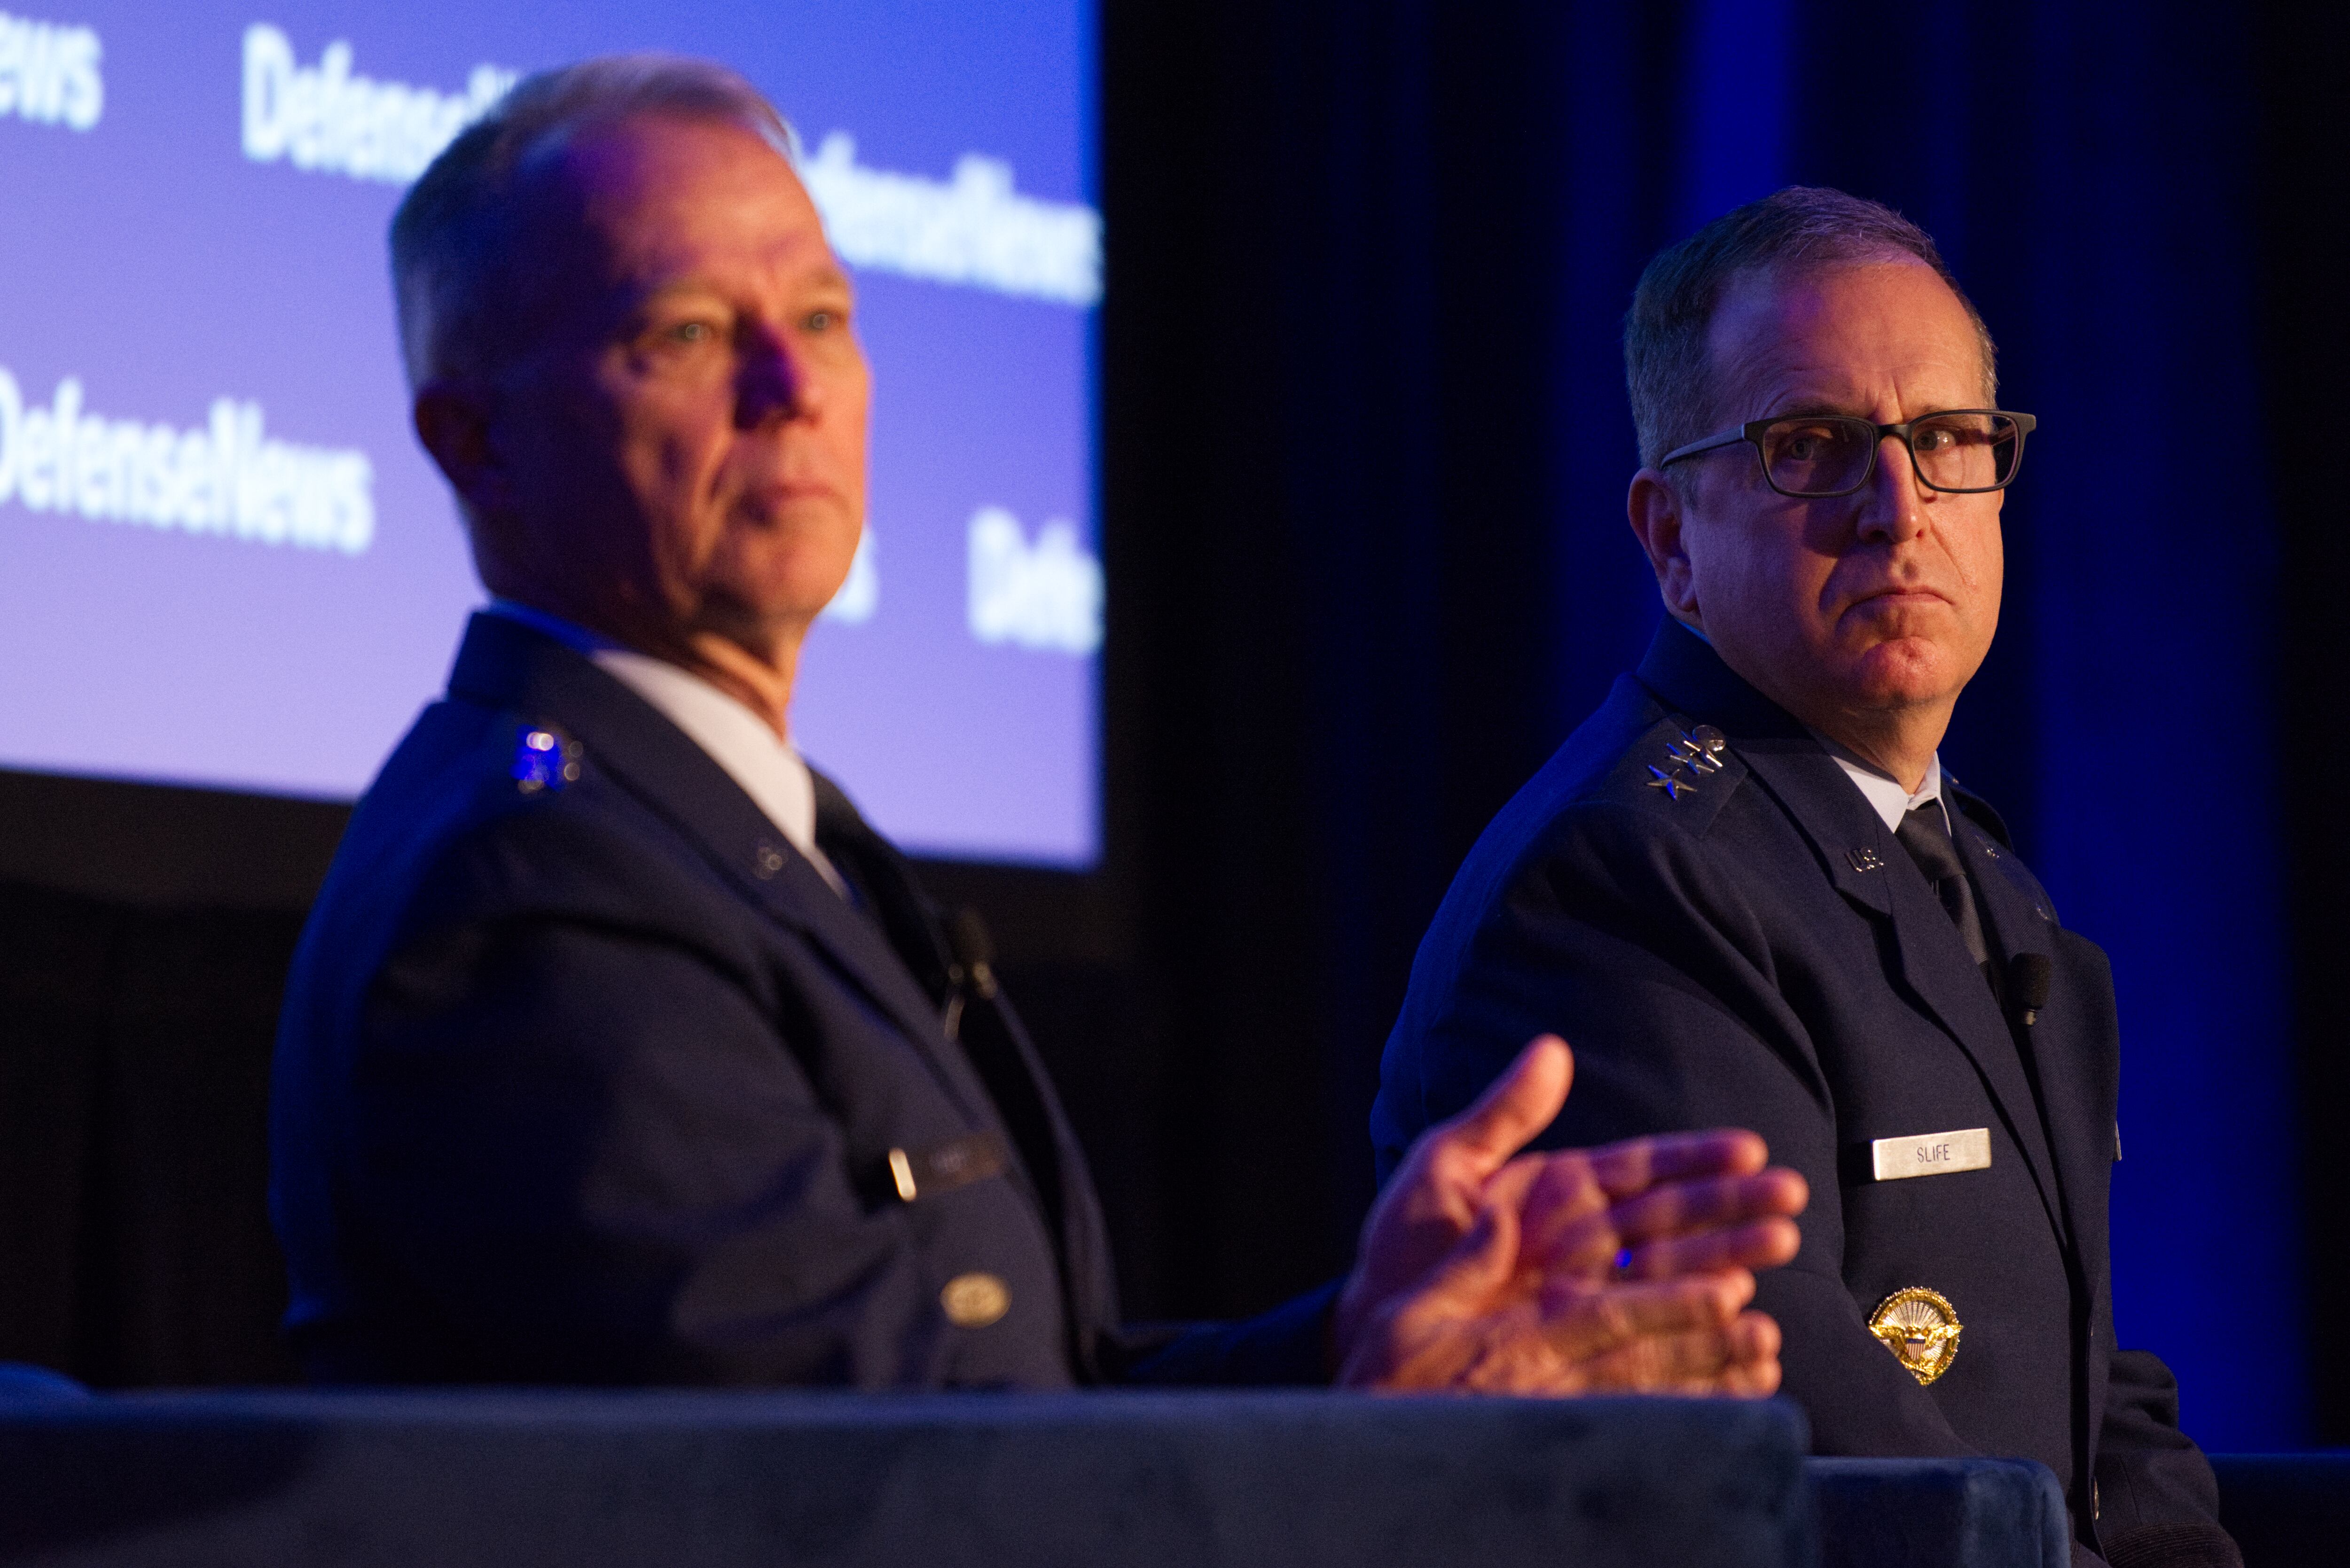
x: 975, y: 1301
x: 1920, y: 1328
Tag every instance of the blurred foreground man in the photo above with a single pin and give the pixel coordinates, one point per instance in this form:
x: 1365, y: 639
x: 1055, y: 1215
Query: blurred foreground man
x: 621, y: 1050
x: 1746, y: 889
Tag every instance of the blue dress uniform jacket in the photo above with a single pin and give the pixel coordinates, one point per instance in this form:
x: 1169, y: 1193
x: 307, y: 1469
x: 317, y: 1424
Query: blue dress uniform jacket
x: 585, y: 1076
x: 1749, y: 946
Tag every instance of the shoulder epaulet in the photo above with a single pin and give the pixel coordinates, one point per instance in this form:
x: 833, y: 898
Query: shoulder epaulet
x: 543, y: 759
x: 518, y: 763
x: 1678, y: 770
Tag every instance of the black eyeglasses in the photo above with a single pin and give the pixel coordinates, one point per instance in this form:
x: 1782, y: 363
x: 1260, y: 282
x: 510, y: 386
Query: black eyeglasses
x: 1961, y: 452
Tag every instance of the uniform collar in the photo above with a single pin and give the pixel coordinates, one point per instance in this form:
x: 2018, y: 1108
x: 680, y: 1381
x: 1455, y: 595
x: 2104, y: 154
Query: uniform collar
x: 506, y: 663
x: 1684, y: 668
x: 569, y: 633
x: 1884, y: 794
x: 764, y: 766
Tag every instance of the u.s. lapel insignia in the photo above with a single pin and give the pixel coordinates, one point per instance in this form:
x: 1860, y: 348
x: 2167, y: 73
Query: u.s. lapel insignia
x: 1920, y: 1328
x: 1865, y: 860
x: 1674, y: 788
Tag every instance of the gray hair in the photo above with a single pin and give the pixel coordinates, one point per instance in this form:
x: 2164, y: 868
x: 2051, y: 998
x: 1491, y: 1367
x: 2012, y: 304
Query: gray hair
x: 452, y: 238
x: 1666, y: 366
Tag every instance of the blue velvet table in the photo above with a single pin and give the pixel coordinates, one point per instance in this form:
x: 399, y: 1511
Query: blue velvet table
x: 1940, y: 1513
x: 686, y: 1479
x: 584, y: 1479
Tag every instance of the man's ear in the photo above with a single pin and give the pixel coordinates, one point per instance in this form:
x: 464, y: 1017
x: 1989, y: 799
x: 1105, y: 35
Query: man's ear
x: 1659, y: 515
x: 453, y: 420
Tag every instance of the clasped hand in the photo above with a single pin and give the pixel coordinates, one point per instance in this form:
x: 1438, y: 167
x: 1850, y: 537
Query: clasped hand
x: 1617, y: 1270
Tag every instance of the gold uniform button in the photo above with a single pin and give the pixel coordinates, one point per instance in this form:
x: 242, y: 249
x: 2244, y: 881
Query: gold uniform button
x: 975, y: 1301
x: 1920, y: 1328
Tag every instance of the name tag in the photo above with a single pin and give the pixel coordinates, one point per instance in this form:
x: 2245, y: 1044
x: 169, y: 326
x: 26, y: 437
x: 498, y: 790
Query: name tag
x: 928, y: 1173
x: 1930, y: 1154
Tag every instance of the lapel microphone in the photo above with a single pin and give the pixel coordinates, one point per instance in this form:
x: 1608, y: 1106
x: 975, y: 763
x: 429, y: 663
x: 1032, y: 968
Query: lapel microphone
x: 972, y: 972
x: 2029, y: 976
x: 974, y: 953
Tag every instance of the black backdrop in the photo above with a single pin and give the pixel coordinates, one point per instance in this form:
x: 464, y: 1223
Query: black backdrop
x: 1363, y: 448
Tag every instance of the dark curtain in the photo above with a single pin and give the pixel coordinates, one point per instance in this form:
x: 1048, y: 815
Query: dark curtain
x: 135, y: 1246
x: 2305, y: 336
x: 1366, y: 447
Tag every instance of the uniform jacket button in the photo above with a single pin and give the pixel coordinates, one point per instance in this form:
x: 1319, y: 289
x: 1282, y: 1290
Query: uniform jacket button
x: 975, y: 1300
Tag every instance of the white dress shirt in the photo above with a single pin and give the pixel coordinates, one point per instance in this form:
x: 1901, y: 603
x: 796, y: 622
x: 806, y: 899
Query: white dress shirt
x: 765, y: 765
x: 1890, y: 801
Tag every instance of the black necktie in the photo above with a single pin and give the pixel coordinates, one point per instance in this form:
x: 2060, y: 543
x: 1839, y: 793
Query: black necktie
x: 1925, y: 836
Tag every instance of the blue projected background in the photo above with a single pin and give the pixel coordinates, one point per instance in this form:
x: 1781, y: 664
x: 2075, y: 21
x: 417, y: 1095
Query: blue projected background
x: 224, y: 559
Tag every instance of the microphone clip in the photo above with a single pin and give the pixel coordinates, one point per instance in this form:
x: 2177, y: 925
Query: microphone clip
x: 2030, y: 978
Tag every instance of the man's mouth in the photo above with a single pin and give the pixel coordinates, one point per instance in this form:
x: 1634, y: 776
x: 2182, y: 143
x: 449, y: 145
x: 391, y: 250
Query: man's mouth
x: 769, y: 502
x: 1900, y: 598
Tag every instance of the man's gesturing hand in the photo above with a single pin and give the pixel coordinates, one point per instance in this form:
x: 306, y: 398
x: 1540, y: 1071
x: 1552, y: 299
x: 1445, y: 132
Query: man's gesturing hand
x: 1484, y: 1269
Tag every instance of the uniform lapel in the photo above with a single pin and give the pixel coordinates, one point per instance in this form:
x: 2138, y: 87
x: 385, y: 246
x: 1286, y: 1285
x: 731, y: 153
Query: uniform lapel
x: 2019, y: 921
x: 1867, y: 864
x: 797, y: 896
x: 1934, y: 962
x: 507, y: 665
x: 2075, y: 1096
x: 883, y: 870
x: 1047, y: 1152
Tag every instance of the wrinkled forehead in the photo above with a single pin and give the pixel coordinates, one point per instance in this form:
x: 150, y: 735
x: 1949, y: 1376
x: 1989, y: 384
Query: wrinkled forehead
x: 1841, y: 328
x: 610, y: 198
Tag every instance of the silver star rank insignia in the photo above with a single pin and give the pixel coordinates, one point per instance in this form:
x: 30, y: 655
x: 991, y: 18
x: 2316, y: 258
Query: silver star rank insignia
x: 1693, y: 753
x: 1674, y: 788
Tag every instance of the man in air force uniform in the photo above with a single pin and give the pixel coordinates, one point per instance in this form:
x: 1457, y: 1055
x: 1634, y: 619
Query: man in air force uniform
x: 621, y: 1050
x: 1748, y: 892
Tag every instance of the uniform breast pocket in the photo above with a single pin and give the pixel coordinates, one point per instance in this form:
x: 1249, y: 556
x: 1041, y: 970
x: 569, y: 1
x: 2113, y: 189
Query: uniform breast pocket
x: 1936, y: 1196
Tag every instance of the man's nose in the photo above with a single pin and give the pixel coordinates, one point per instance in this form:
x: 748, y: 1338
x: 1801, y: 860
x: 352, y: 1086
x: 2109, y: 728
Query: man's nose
x: 1894, y: 501
x: 775, y: 382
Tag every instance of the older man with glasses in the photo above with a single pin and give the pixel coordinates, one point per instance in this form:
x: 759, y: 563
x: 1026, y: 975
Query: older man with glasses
x: 1748, y: 892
